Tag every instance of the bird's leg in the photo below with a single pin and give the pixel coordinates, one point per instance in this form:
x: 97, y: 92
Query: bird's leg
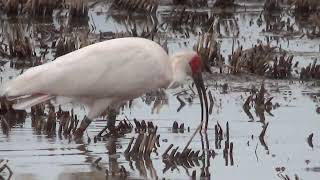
x: 111, y: 121
x: 112, y: 114
x: 83, y: 126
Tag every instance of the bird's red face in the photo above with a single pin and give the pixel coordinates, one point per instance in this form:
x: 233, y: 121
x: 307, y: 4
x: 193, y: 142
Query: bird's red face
x: 196, y: 68
x: 196, y: 64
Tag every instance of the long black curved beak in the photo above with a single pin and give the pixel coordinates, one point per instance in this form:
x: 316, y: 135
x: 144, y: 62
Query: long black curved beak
x: 197, y: 78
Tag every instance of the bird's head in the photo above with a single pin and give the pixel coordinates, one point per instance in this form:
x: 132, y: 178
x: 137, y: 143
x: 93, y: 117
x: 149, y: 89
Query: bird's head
x: 190, y: 64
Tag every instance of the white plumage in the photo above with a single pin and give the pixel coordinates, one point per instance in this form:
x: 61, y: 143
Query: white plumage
x: 105, y: 74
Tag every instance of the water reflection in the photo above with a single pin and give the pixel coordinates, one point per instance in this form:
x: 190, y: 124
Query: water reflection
x: 185, y: 21
x: 74, y: 161
x: 111, y: 146
x: 227, y: 26
x: 205, y: 173
x: 136, y: 25
x: 261, y: 104
x: 159, y: 99
x: 146, y: 143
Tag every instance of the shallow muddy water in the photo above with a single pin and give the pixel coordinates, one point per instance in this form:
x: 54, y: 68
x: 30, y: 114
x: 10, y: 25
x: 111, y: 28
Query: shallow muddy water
x: 285, y: 151
x: 35, y: 156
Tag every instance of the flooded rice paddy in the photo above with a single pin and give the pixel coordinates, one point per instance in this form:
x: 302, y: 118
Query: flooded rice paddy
x: 279, y: 141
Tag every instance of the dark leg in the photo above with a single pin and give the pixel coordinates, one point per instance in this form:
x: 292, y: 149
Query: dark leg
x: 112, y: 115
x: 83, y: 126
x: 111, y: 121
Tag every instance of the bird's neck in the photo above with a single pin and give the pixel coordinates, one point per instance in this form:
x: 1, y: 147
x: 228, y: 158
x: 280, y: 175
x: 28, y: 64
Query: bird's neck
x: 179, y: 73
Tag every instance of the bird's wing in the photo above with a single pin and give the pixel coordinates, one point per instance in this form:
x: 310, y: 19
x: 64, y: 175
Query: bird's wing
x: 110, y: 68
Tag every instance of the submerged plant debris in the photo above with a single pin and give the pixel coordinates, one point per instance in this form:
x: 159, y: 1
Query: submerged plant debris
x: 262, y: 80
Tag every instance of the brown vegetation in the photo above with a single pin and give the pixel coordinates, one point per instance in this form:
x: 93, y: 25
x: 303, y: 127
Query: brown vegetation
x: 71, y: 42
x: 181, y: 19
x: 209, y: 50
x: 78, y: 11
x: 149, y: 6
x: 192, y: 3
x: 37, y: 8
x: 19, y: 44
x: 314, y: 20
x: 255, y: 60
x: 224, y: 3
x: 9, y: 117
x: 306, y: 7
x: 272, y: 6
x: 41, y: 8
x: 13, y: 7
x: 145, y: 144
x: 312, y: 71
x: 282, y: 67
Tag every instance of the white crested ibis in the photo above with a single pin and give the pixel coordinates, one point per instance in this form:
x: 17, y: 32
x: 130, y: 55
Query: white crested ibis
x: 106, y: 74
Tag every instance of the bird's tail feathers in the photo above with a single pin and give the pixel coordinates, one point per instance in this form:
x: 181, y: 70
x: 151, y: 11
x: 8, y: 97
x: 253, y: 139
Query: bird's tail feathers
x: 3, y: 89
x: 23, y: 103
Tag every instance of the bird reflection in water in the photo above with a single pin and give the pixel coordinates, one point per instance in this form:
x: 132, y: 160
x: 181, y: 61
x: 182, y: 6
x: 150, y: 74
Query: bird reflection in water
x: 111, y: 147
x: 144, y: 167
